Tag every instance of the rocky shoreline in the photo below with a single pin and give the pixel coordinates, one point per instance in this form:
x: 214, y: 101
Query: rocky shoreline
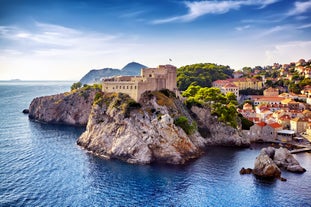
x: 139, y: 133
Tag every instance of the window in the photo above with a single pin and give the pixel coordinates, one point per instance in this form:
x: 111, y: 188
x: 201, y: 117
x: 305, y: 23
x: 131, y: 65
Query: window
x: 131, y: 87
x: 127, y: 87
x: 150, y: 75
x: 123, y: 87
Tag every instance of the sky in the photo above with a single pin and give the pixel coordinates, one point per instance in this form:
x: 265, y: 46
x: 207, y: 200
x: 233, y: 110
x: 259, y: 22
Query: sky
x: 63, y: 40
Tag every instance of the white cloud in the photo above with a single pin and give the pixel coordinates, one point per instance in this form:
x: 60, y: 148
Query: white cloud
x: 300, y: 8
x: 288, y: 52
x: 273, y: 30
x: 200, y: 8
x: 305, y: 26
x: 56, y: 49
x: 242, y: 28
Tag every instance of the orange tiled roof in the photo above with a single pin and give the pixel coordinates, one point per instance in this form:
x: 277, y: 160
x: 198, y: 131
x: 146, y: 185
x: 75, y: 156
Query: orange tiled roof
x: 285, y: 117
x: 275, y: 125
x: 262, y: 124
x: 269, y: 98
x: 230, y: 85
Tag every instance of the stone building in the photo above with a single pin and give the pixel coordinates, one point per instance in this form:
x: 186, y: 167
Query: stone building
x: 241, y: 83
x: 271, y: 92
x: 151, y: 79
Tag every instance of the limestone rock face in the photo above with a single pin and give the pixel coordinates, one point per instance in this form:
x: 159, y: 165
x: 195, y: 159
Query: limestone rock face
x: 142, y: 135
x: 217, y: 133
x: 265, y: 167
x: 283, y: 158
x: 270, y: 160
x: 71, y: 108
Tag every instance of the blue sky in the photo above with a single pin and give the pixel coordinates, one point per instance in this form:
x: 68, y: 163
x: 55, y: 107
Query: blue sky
x: 63, y: 40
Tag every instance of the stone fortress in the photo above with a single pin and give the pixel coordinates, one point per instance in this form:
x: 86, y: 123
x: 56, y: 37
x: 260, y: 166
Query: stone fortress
x: 151, y: 79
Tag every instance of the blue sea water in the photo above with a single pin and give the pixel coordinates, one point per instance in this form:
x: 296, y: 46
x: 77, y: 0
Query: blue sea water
x: 41, y: 165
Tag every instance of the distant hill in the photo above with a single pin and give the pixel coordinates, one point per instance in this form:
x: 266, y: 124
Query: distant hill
x: 95, y: 75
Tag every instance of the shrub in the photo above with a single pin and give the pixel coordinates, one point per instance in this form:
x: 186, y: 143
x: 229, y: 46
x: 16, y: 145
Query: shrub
x: 183, y: 122
x: 76, y: 86
x: 98, y: 99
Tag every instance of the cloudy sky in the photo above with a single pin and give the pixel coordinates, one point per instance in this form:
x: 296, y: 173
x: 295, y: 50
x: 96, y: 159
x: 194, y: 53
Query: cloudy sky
x: 63, y: 40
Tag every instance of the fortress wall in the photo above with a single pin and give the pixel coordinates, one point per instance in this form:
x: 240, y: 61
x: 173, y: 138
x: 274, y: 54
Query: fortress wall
x: 151, y: 79
x: 126, y: 87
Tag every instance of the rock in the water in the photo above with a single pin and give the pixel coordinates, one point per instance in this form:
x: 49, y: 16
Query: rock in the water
x: 26, y: 111
x: 284, y: 159
x: 265, y: 167
x: 139, y: 135
x: 244, y: 171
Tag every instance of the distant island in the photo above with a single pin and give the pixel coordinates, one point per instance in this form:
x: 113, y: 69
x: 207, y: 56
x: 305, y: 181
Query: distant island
x: 95, y: 75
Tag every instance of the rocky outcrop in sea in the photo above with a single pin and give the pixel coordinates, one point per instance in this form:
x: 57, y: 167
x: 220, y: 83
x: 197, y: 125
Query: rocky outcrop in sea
x: 70, y: 108
x: 270, y: 161
x: 140, y: 134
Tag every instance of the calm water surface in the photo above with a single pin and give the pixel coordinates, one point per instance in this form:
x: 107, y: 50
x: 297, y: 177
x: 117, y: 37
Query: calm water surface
x: 41, y: 165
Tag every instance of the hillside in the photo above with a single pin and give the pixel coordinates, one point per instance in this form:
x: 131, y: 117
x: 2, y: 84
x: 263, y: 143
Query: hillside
x: 95, y: 75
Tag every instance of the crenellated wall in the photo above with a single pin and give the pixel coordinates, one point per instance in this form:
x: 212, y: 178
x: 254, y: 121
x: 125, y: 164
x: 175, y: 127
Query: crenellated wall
x: 151, y: 79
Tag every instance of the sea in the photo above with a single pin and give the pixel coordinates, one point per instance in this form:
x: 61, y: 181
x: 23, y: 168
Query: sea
x: 41, y: 165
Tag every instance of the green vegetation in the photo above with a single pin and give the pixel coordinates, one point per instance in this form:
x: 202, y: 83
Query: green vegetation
x: 128, y: 106
x: 76, y: 85
x: 202, y: 74
x: 246, y: 124
x: 98, y: 99
x: 183, y: 122
x: 224, y: 106
x: 297, y: 87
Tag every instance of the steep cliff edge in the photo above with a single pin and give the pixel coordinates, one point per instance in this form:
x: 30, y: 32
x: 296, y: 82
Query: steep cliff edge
x: 71, y: 108
x: 139, y: 133
x: 217, y: 133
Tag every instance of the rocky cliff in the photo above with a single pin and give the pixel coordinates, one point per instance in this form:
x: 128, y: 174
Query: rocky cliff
x: 71, y: 108
x: 145, y: 132
x: 139, y: 133
x: 215, y: 132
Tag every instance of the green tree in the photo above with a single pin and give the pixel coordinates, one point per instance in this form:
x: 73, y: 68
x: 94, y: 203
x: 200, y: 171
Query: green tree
x: 202, y: 74
x: 183, y: 122
x: 76, y: 85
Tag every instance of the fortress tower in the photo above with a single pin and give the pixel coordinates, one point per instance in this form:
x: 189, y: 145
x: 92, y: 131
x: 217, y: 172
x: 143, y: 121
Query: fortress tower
x: 151, y: 79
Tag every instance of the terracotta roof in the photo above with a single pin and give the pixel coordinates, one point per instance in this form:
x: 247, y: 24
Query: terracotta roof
x: 262, y: 124
x: 230, y: 85
x: 285, y: 117
x: 275, y: 125
x: 269, y: 98
x: 272, y: 89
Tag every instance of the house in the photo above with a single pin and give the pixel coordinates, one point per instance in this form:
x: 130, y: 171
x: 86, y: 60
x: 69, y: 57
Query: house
x: 264, y: 132
x: 266, y: 100
x: 255, y: 131
x: 241, y: 83
x: 269, y: 132
x: 284, y: 121
x: 271, y: 92
x: 299, y: 125
x: 230, y: 87
x: 285, y: 135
